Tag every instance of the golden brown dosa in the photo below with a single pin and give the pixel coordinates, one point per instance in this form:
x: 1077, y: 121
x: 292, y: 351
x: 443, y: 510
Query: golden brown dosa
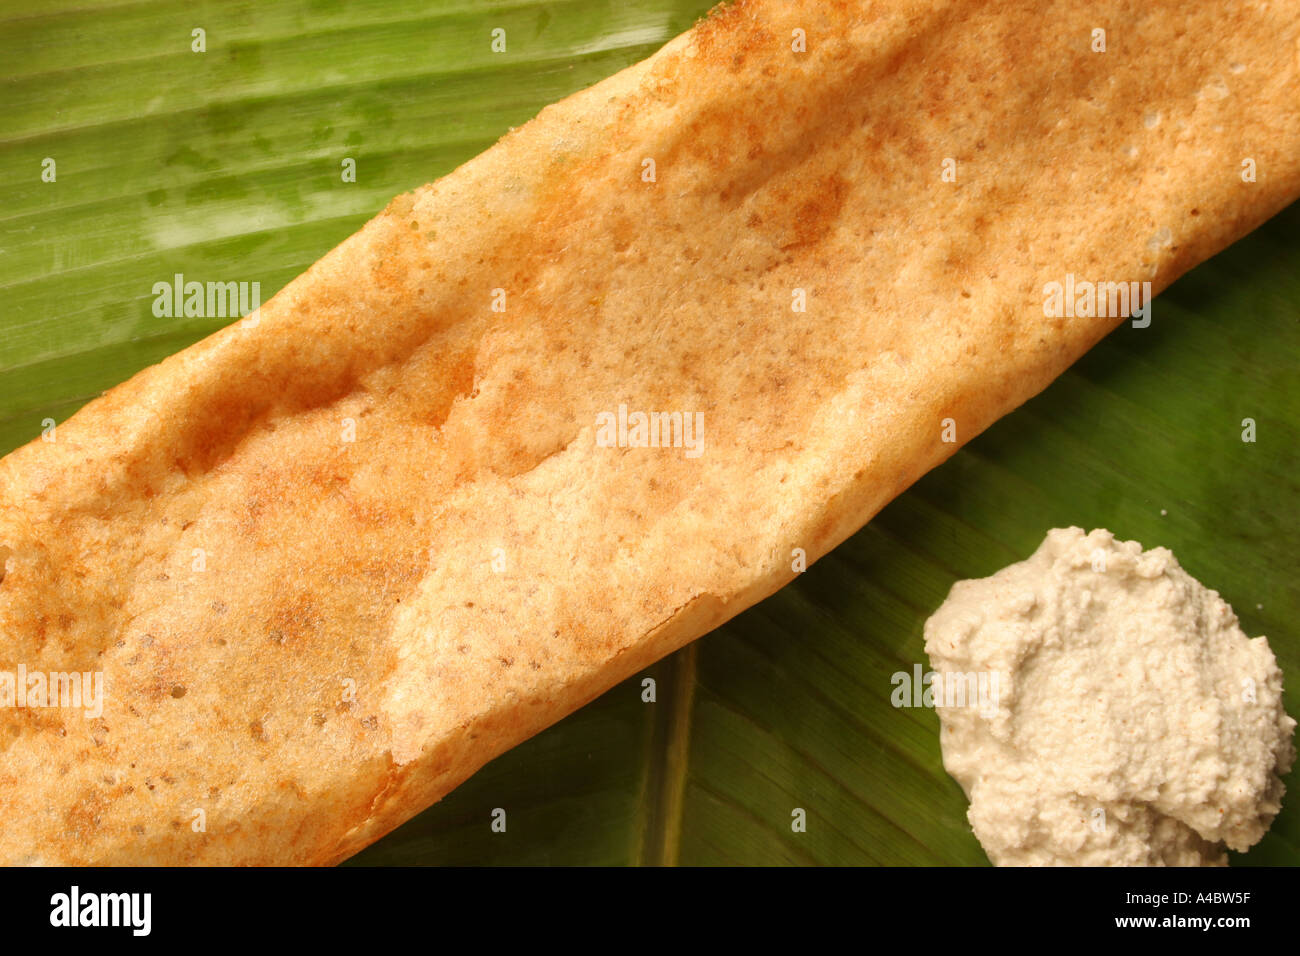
x: 311, y: 638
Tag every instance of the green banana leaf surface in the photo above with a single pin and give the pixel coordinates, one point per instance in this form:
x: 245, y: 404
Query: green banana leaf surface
x: 226, y: 163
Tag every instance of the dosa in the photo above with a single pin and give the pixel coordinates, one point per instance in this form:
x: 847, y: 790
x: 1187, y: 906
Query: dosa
x: 337, y: 556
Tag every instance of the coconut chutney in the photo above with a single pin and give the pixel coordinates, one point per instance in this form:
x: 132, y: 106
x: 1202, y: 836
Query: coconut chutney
x: 1135, y: 724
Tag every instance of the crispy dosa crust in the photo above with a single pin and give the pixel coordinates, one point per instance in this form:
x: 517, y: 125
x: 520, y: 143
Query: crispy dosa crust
x: 206, y: 536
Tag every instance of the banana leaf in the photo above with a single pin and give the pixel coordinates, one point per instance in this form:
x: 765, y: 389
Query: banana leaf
x: 227, y: 163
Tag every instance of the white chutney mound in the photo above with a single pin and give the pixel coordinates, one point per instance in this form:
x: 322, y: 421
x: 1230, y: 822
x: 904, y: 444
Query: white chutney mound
x: 1134, y: 722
